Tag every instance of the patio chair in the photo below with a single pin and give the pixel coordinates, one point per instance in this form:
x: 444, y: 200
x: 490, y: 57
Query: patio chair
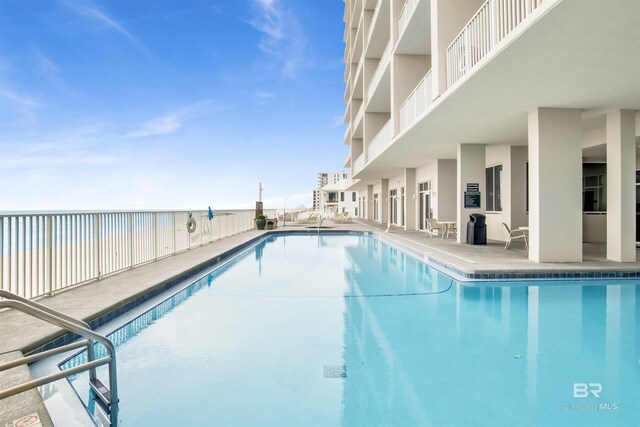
x: 433, y: 227
x: 514, y: 235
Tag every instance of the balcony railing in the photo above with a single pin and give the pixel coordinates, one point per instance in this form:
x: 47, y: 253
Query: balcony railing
x: 376, y: 14
x: 380, y: 141
x: 416, y: 103
x: 377, y: 74
x: 493, y: 21
x: 405, y: 14
x: 358, y: 164
x: 359, y: 115
x: 41, y: 253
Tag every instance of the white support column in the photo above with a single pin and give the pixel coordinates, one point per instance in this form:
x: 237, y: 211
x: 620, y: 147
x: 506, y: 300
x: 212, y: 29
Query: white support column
x: 410, y: 199
x: 555, y: 185
x: 369, y: 202
x: 470, y: 170
x: 384, y: 202
x: 621, y: 195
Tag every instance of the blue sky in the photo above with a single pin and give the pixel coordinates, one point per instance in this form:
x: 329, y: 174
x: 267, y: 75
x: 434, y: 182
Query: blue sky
x: 167, y: 104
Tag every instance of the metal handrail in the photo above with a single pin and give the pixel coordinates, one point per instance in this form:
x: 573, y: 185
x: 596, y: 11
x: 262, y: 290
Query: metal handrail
x: 48, y: 315
x: 90, y: 353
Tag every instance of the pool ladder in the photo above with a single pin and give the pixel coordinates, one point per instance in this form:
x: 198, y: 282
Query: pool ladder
x: 106, y: 398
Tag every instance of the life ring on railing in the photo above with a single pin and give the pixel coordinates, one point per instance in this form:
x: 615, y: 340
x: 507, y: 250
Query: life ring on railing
x: 191, y: 225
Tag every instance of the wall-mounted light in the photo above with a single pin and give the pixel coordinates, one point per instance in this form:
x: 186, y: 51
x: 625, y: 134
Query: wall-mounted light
x: 414, y: 197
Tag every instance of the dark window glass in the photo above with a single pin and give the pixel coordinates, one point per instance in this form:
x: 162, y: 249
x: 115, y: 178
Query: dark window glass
x: 353, y: 196
x: 342, y: 196
x: 490, y: 191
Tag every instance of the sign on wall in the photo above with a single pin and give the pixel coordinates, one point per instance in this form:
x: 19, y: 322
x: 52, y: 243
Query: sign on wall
x: 472, y: 196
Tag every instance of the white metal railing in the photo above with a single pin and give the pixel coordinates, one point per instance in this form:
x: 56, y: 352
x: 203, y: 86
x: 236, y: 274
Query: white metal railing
x: 359, y: 114
x: 374, y: 18
x: 358, y: 163
x: 377, y: 74
x: 493, y: 21
x: 379, y: 142
x: 44, y: 252
x: 405, y: 14
x: 417, y: 102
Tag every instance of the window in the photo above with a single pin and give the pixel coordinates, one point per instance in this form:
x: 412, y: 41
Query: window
x: 342, y: 196
x: 494, y: 189
x: 393, y: 207
x: 375, y: 206
x: 353, y: 196
x: 426, y: 207
x: 594, y: 187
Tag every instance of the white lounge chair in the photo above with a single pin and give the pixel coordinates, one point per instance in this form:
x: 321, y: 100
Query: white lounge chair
x: 433, y: 227
x: 514, y: 235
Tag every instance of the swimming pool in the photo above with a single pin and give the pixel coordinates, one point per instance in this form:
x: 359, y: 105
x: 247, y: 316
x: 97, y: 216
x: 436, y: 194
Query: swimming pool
x: 347, y: 330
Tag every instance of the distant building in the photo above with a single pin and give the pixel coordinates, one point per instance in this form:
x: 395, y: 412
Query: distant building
x: 332, y: 197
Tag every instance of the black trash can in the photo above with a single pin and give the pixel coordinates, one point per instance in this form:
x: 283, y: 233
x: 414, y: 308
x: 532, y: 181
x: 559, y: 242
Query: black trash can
x: 477, y: 229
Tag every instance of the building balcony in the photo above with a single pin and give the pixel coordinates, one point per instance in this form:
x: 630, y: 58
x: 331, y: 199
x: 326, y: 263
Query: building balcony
x: 358, y: 164
x: 359, y: 115
x: 380, y: 142
x: 405, y: 14
x: 383, y: 65
x: 347, y: 135
x: 416, y: 103
x: 347, y: 160
x: 493, y: 22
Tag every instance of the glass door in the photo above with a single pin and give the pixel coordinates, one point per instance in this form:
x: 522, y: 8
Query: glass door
x: 402, y: 206
x: 637, y: 207
x: 393, y: 207
x: 375, y: 207
x: 426, y: 210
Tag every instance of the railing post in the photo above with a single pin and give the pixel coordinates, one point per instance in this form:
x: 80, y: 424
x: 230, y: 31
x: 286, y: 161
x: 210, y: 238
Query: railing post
x: 130, y: 238
x: 173, y: 222
x: 467, y: 52
x: 96, y: 245
x: 48, y: 274
x: 492, y: 24
x: 154, y: 219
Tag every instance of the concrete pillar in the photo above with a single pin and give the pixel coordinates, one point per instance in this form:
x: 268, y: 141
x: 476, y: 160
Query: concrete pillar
x: 514, y: 197
x: 621, y: 194
x: 410, y: 198
x: 369, y: 202
x: 384, y: 201
x: 470, y: 170
x: 555, y: 185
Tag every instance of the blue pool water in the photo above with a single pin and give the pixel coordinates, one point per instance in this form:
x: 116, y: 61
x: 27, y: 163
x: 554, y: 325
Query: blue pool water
x: 346, y: 330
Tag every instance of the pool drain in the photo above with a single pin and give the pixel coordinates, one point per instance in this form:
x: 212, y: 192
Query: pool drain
x: 335, y: 371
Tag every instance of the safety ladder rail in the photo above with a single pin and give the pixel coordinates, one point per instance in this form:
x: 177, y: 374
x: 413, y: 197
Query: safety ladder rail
x: 107, y: 398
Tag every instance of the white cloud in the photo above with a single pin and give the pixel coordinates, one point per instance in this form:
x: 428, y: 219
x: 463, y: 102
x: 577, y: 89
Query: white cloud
x: 21, y: 100
x: 170, y: 122
x: 337, y: 121
x: 95, y: 14
x: 282, y: 37
x: 44, y: 65
x: 263, y: 97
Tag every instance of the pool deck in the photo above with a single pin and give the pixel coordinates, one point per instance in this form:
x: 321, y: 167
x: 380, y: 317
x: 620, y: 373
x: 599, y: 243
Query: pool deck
x: 96, y: 299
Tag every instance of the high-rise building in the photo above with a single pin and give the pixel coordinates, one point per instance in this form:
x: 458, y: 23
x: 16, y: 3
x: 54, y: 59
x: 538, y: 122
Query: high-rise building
x: 522, y: 110
x: 331, y: 196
